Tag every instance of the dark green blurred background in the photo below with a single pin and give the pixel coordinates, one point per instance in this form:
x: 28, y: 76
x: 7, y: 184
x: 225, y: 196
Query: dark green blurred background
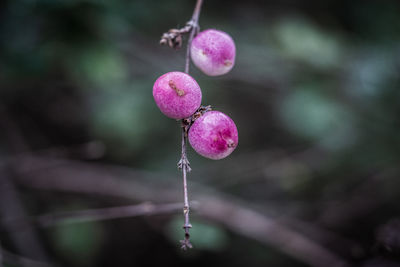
x: 315, y: 94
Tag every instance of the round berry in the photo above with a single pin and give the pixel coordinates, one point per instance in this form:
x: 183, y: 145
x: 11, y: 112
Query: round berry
x: 213, y: 52
x: 214, y: 135
x: 177, y: 95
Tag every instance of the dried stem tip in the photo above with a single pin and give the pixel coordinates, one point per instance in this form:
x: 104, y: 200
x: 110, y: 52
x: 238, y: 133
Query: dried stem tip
x: 174, y: 36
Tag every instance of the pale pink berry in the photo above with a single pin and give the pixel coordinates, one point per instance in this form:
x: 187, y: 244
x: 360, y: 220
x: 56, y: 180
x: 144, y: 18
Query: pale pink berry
x: 213, y: 52
x: 177, y: 95
x: 214, y: 135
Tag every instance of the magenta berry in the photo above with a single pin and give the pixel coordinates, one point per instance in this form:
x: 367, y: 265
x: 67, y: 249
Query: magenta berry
x: 213, y: 52
x: 177, y: 94
x: 214, y: 135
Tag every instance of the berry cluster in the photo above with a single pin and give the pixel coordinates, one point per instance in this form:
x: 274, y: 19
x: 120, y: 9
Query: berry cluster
x: 212, y: 134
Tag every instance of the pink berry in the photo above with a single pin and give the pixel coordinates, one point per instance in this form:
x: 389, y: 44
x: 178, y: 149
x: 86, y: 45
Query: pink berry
x: 177, y: 95
x: 213, y: 52
x: 214, y: 135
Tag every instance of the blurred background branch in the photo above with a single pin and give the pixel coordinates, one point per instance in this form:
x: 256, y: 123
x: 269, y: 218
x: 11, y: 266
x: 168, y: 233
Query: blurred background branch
x: 144, y: 209
x: 67, y: 176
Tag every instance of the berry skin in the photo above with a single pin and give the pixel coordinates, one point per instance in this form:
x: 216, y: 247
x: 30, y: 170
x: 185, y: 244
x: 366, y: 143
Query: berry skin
x: 177, y: 95
x: 214, y: 135
x: 213, y: 52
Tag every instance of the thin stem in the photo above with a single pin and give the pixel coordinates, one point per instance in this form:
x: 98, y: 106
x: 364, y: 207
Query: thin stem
x: 184, y: 163
x: 195, y: 26
x: 185, y: 166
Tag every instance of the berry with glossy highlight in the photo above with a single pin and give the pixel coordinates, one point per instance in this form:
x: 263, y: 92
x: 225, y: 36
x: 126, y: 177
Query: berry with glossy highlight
x: 177, y: 95
x: 213, y: 52
x: 214, y: 135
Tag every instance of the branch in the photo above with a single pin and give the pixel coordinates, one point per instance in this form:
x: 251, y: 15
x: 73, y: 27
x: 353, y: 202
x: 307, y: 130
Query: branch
x: 184, y: 165
x: 78, y: 177
x: 184, y: 161
x: 174, y: 39
x: 144, y: 209
x: 254, y: 225
x: 195, y: 27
